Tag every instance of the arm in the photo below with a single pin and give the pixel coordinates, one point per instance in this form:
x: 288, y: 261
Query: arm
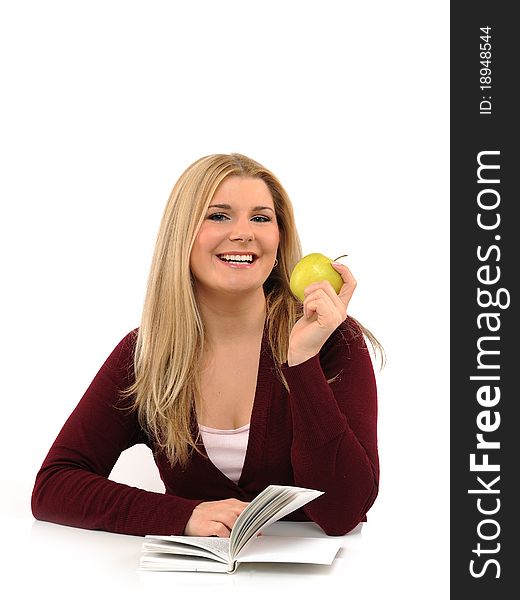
x: 72, y: 486
x: 334, y: 445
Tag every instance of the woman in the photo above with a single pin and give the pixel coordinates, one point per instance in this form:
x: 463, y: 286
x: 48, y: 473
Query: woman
x: 230, y: 380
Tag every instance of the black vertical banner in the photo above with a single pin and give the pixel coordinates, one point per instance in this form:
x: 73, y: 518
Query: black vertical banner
x: 485, y: 332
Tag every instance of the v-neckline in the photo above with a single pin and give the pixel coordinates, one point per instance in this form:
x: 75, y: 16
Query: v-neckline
x: 257, y: 423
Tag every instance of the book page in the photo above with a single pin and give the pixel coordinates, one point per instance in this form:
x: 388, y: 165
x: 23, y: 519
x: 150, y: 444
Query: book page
x: 219, y: 547
x: 301, y: 497
x: 274, y: 548
x: 242, y: 525
x: 163, y: 562
x: 163, y: 547
x: 274, y: 507
x: 255, y: 519
x: 272, y: 504
x: 269, y: 504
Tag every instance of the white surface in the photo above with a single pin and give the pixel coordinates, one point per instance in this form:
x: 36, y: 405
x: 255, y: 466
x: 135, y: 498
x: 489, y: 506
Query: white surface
x: 103, y: 104
x: 287, y: 549
x: 95, y: 564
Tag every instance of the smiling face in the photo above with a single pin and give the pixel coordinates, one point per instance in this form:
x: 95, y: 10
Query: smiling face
x: 236, y: 246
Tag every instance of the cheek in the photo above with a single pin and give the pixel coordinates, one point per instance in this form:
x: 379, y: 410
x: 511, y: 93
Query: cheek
x: 276, y: 239
x: 204, y: 242
x: 197, y: 252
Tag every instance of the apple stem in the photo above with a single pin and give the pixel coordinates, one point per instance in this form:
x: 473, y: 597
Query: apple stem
x: 342, y: 256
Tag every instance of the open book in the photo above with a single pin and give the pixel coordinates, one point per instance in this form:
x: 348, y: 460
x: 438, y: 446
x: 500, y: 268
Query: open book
x: 189, y: 553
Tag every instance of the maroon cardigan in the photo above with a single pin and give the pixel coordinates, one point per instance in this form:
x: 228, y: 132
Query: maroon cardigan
x: 320, y: 436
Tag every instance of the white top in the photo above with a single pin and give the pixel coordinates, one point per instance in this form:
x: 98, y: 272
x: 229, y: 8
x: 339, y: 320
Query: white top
x: 226, y: 448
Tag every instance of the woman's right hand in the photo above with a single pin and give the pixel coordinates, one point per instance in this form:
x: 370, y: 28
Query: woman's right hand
x: 214, y: 518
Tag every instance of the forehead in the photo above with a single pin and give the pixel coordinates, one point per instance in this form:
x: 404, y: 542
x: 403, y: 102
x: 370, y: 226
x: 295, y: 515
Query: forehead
x: 243, y: 191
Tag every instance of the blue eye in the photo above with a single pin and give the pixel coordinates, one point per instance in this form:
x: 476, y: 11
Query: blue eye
x: 219, y: 217
x: 215, y: 217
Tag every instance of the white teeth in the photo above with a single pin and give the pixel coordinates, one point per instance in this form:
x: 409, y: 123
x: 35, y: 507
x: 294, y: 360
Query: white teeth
x: 237, y: 257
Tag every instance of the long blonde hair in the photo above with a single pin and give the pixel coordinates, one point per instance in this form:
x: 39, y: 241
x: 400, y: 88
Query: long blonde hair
x: 171, y: 336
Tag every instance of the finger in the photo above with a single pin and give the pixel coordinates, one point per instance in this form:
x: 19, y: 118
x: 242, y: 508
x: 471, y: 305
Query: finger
x: 327, y: 316
x: 225, y: 516
x: 321, y: 303
x: 235, y: 507
x: 236, y: 504
x: 320, y: 294
x: 228, y: 504
x: 319, y: 285
x: 343, y: 270
x: 345, y: 273
x: 349, y: 282
x: 325, y: 302
x: 345, y: 292
x: 219, y: 529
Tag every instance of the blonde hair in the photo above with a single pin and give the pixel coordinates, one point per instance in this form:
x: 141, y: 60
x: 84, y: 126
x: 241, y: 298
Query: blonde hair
x: 171, y: 336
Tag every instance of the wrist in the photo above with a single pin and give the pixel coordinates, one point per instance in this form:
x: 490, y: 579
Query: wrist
x: 295, y: 358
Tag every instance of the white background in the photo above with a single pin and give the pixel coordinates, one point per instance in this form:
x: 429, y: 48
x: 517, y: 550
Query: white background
x: 103, y: 105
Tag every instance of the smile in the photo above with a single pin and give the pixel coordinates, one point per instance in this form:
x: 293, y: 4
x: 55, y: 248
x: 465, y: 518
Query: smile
x: 238, y: 260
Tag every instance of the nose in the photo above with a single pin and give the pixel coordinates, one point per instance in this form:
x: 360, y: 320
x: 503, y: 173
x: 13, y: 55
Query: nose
x: 242, y: 231
x: 243, y: 237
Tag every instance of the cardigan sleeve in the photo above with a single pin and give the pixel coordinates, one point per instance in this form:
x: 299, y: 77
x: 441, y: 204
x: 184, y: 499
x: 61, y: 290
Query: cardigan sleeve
x: 334, y: 447
x: 72, y: 485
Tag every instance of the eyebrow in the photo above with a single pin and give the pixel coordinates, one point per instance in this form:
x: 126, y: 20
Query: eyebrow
x: 228, y: 207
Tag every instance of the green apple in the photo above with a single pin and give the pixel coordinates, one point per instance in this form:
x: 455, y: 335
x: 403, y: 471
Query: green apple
x: 312, y: 268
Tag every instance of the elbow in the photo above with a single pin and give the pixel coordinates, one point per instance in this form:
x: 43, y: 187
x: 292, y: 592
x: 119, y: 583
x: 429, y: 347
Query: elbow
x: 42, y: 497
x: 37, y: 500
x: 341, y: 527
x: 341, y: 517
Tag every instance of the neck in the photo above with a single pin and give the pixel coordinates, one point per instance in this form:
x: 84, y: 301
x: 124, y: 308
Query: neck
x: 232, y: 319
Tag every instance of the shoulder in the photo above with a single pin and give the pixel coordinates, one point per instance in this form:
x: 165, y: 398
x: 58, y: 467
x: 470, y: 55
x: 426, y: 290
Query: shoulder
x: 126, y: 345
x: 121, y: 358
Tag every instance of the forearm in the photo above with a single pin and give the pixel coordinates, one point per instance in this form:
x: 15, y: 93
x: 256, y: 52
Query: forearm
x: 72, y: 485
x: 342, y: 470
x: 72, y: 496
x: 334, y: 446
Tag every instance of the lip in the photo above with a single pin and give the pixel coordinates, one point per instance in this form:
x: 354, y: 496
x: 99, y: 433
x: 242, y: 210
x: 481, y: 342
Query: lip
x: 236, y: 253
x: 236, y: 265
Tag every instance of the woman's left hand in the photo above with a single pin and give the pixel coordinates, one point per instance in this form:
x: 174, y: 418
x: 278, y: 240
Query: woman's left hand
x: 323, y: 312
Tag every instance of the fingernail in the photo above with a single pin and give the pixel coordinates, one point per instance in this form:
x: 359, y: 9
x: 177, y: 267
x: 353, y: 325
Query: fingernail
x: 338, y: 263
